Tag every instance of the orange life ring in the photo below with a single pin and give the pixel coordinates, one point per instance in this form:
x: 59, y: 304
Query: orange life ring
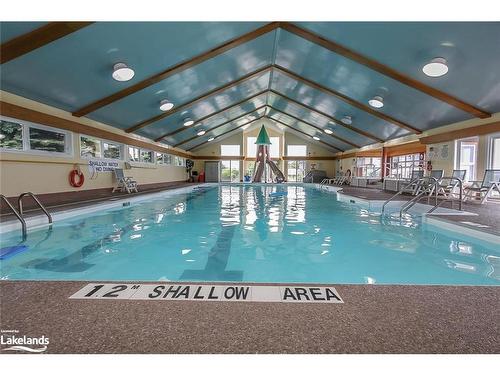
x: 73, y: 181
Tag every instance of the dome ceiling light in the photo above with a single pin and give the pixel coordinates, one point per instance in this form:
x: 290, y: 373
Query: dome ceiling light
x: 210, y: 139
x: 328, y: 131
x: 316, y: 138
x: 376, y: 102
x: 166, y: 105
x: 188, y: 121
x: 436, y: 68
x: 122, y: 73
x: 347, y: 120
x: 200, y: 133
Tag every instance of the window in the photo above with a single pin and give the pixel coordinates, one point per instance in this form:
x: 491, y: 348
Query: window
x: 494, y: 151
x: 230, y: 150
x: 163, y: 158
x: 47, y: 140
x: 466, y: 157
x: 402, y: 166
x: 230, y: 171
x: 112, y: 150
x: 90, y: 147
x: 296, y: 170
x: 133, y: 154
x: 250, y: 168
x: 11, y: 135
x: 147, y: 156
x: 274, y: 147
x: 296, y: 150
x: 368, y: 167
x: 251, y: 147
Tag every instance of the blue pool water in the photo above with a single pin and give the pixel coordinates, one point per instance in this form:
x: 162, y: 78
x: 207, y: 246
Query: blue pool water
x: 246, y: 233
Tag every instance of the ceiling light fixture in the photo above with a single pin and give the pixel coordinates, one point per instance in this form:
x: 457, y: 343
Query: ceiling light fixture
x: 200, y: 133
x: 376, y: 102
x: 188, y: 121
x: 316, y: 138
x: 347, y: 120
x: 122, y: 73
x: 436, y: 68
x: 210, y: 139
x: 166, y: 105
x: 328, y: 131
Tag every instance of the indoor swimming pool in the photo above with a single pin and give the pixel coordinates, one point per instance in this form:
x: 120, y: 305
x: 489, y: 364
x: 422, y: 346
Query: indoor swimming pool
x: 249, y: 233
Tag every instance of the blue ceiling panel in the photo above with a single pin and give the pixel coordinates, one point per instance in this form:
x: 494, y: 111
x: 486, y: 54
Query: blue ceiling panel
x: 274, y: 115
x: 217, y: 120
x: 361, y: 83
x: 76, y: 70
x: 11, y: 30
x: 205, y: 107
x: 335, y: 107
x: 189, y: 84
x: 224, y: 129
x: 472, y: 51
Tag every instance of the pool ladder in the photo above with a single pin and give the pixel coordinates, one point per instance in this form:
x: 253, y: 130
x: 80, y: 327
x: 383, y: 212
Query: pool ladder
x: 19, y: 212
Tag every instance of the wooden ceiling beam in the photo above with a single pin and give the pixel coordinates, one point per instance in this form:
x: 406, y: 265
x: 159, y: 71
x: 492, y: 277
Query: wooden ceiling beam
x: 37, y: 38
x: 233, y: 43
x: 383, y: 69
x: 348, y: 100
x: 331, y: 118
x: 227, y: 132
x: 301, y: 132
x: 218, y: 126
x: 181, y: 129
x: 316, y: 127
x: 198, y: 99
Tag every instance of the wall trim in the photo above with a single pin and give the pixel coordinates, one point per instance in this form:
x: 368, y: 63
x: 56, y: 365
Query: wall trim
x: 492, y: 127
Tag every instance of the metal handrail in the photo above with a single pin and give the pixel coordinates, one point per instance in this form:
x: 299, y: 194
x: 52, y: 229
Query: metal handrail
x: 19, y: 216
x: 20, y: 204
x: 460, y: 186
x: 401, y: 191
x: 426, y: 190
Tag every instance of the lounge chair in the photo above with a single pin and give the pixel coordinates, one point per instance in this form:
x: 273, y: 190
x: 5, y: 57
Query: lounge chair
x: 436, y: 176
x: 124, y: 183
x: 448, y: 185
x: 490, y: 182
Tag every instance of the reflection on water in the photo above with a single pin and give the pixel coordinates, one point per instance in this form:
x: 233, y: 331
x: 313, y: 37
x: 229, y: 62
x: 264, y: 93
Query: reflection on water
x: 256, y: 233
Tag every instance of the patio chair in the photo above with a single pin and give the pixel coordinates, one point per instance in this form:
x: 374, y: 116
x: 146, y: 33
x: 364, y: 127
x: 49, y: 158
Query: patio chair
x: 124, y: 183
x: 448, y: 185
x: 490, y: 182
x: 413, y: 184
x: 429, y: 184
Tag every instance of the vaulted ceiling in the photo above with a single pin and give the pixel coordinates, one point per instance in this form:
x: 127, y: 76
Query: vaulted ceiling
x: 307, y: 75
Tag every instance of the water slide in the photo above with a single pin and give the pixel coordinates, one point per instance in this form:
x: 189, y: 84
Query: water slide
x: 262, y: 158
x: 279, y: 176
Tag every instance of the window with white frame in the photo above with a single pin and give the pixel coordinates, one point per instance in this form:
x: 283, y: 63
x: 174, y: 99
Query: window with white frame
x: 402, y: 166
x: 296, y: 150
x: 179, y: 161
x: 134, y: 154
x: 368, y: 167
x: 16, y: 135
x: 274, y: 147
x: 230, y: 150
x: 251, y: 147
x: 163, y: 158
x: 494, y: 151
x: 466, y: 156
x: 90, y: 147
x: 112, y: 150
x: 147, y: 156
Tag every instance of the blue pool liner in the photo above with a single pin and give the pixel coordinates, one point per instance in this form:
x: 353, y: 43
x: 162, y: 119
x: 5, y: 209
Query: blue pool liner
x: 278, y: 194
x: 10, y: 251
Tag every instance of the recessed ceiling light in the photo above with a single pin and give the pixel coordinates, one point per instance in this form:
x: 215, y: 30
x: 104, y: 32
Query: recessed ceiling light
x: 122, y: 73
x: 210, y: 139
x: 188, y: 121
x: 316, y: 138
x: 166, y: 105
x: 328, y: 131
x: 436, y: 68
x: 376, y: 102
x: 347, y: 120
x: 201, y: 132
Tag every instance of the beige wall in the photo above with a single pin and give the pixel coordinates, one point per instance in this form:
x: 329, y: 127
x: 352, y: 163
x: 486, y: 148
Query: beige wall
x: 23, y: 171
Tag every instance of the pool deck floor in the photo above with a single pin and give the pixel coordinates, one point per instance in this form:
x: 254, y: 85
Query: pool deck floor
x: 373, y: 319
